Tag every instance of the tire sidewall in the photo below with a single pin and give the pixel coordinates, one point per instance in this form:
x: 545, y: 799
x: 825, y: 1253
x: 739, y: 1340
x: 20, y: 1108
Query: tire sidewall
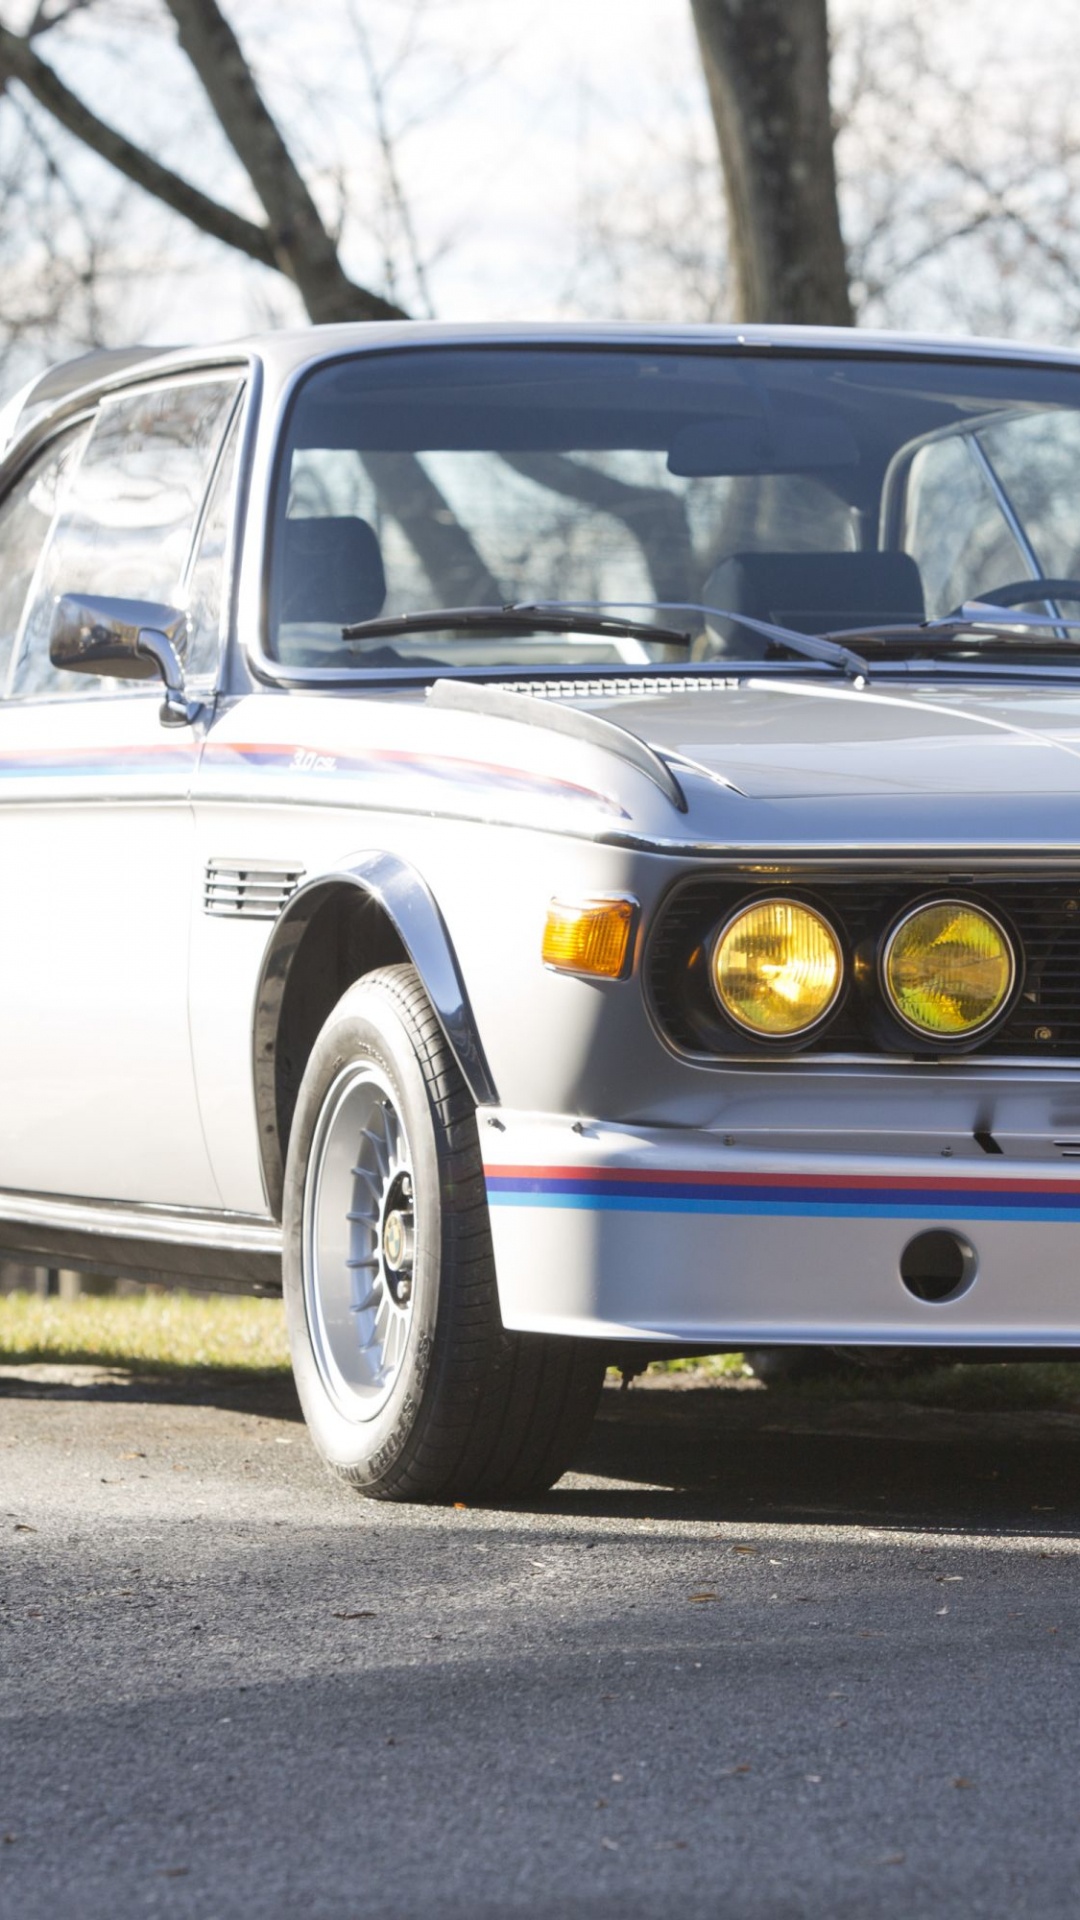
x: 366, y: 1026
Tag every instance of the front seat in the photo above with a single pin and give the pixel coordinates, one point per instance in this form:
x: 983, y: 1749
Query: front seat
x: 814, y: 592
x: 332, y: 572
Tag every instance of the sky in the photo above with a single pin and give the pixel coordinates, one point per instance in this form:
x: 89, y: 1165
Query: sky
x: 515, y: 124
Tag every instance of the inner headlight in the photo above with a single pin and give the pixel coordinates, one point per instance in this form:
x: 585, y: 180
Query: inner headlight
x: 777, y: 968
x: 948, y: 968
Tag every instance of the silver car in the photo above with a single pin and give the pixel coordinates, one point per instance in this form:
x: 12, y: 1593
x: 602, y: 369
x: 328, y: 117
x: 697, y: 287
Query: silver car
x: 549, y: 844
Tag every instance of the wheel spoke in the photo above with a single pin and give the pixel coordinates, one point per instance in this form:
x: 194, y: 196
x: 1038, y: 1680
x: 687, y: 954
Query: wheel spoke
x: 362, y: 1328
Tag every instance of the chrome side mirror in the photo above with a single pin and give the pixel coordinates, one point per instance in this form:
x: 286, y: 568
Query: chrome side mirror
x: 124, y: 640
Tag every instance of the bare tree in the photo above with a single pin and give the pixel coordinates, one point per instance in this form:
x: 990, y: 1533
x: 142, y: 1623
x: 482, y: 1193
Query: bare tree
x: 293, y: 238
x: 766, y: 66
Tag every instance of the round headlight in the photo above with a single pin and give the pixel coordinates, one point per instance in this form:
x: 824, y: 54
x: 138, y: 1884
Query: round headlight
x: 948, y: 968
x: 777, y: 968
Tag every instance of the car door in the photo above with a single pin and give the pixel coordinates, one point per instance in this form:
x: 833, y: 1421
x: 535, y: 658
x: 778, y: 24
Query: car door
x: 99, y: 1098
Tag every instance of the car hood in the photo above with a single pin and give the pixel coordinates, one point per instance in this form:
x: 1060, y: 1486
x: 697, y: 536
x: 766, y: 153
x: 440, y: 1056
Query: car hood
x: 807, y: 741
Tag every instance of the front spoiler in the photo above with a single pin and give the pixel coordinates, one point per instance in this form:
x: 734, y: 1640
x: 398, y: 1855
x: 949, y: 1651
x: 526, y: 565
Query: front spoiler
x: 665, y: 1234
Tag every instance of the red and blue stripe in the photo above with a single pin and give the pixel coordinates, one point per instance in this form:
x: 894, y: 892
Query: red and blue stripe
x: 855, y: 1196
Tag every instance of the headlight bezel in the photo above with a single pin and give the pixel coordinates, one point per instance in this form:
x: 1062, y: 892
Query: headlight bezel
x: 971, y: 1035
x: 795, y: 1037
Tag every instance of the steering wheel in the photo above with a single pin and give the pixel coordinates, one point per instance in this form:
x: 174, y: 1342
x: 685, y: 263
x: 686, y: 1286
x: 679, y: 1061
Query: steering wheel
x: 1017, y: 593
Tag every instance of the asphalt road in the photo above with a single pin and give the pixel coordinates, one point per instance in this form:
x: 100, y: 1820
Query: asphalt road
x: 756, y: 1657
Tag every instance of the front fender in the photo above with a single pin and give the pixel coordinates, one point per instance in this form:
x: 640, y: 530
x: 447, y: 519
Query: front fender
x: 408, y: 906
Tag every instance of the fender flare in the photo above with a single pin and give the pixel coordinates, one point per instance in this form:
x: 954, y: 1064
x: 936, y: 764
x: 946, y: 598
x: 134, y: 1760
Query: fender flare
x: 411, y: 908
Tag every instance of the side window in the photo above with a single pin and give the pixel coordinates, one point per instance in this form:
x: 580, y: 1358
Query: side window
x: 208, y: 584
x: 26, y: 514
x: 127, y: 522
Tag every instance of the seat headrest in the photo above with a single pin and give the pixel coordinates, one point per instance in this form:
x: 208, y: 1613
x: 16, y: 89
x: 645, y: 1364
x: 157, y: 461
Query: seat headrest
x: 814, y: 592
x: 332, y: 572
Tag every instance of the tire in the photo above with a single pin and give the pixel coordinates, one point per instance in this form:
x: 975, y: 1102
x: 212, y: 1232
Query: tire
x: 410, y: 1386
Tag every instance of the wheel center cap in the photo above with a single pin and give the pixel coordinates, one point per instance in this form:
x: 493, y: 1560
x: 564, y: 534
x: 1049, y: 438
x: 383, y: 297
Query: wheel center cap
x: 395, y: 1240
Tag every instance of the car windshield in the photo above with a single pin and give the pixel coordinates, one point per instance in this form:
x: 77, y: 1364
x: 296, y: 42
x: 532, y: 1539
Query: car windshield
x: 822, y: 492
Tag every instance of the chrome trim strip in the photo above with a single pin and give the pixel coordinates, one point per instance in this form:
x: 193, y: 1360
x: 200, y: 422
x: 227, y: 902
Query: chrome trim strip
x: 136, y: 1220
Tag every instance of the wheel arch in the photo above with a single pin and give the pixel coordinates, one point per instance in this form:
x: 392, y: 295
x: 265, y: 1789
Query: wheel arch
x: 371, y: 911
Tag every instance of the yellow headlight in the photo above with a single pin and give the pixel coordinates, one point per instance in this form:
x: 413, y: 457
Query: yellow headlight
x: 777, y: 968
x: 949, y: 968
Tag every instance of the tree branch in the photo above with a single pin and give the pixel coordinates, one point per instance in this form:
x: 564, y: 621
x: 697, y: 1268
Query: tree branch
x: 303, y: 248
x: 19, y: 61
x: 655, y: 517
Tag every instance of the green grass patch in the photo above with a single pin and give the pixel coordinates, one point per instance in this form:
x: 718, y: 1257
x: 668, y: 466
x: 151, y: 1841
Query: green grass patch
x: 151, y: 1332
x: 714, y: 1366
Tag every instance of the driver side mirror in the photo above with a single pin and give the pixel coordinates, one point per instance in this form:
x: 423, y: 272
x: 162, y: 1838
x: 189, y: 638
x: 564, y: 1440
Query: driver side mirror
x: 124, y: 640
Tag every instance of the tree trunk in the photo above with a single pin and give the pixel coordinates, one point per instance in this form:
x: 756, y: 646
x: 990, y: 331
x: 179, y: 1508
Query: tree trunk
x: 766, y: 66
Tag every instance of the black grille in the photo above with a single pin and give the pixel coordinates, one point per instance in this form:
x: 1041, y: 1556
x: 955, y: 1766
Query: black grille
x: 1041, y: 913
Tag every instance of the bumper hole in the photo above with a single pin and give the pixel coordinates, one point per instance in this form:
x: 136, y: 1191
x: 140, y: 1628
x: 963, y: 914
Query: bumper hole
x: 938, y: 1266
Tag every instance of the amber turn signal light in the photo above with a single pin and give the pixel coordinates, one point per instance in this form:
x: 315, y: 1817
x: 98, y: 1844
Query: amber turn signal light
x: 589, y: 936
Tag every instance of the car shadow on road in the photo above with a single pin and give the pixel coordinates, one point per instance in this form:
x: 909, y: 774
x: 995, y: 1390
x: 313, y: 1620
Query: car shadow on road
x: 272, y: 1396
x: 715, y: 1454
x: 777, y: 1455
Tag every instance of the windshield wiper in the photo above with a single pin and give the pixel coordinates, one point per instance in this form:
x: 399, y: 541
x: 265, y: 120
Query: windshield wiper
x: 810, y: 646
x: 978, y: 620
x: 592, y: 616
x: 517, y: 618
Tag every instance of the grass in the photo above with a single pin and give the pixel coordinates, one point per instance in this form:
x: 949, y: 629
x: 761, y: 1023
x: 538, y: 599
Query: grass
x: 151, y: 1332
x: 170, y: 1333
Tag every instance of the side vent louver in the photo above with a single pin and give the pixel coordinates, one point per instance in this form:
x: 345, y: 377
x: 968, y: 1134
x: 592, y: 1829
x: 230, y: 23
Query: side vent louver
x: 248, y: 889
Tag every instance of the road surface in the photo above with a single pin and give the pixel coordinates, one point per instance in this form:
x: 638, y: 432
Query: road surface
x: 759, y: 1656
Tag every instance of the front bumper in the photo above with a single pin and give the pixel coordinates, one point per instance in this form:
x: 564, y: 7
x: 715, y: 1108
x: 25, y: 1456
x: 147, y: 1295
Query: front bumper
x: 666, y: 1234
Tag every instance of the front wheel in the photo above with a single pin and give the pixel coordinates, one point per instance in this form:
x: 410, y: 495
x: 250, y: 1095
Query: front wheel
x: 409, y: 1384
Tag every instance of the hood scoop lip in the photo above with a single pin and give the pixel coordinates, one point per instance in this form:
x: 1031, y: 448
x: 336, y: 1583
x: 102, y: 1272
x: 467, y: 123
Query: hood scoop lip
x: 500, y: 704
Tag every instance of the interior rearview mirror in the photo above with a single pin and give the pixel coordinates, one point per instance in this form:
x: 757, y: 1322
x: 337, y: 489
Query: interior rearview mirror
x: 785, y: 444
x: 124, y: 640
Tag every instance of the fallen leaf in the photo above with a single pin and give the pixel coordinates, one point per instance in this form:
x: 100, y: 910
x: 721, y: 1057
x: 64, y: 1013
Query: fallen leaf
x: 814, y: 1779
x: 945, y: 1579
x: 460, y: 1506
x: 699, y: 1598
x: 364, y: 1613
x: 10, y: 1839
x: 601, y: 1803
x: 961, y: 1781
x: 174, y: 1873
x: 753, y: 1550
x: 940, y: 1610
x: 892, y: 1860
x: 132, y: 1456
x: 744, y: 1767
x: 22, y: 1526
x: 611, y: 1845
x: 618, y: 1776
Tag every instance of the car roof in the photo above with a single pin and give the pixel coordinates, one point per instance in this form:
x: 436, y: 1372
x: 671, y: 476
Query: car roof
x: 284, y: 352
